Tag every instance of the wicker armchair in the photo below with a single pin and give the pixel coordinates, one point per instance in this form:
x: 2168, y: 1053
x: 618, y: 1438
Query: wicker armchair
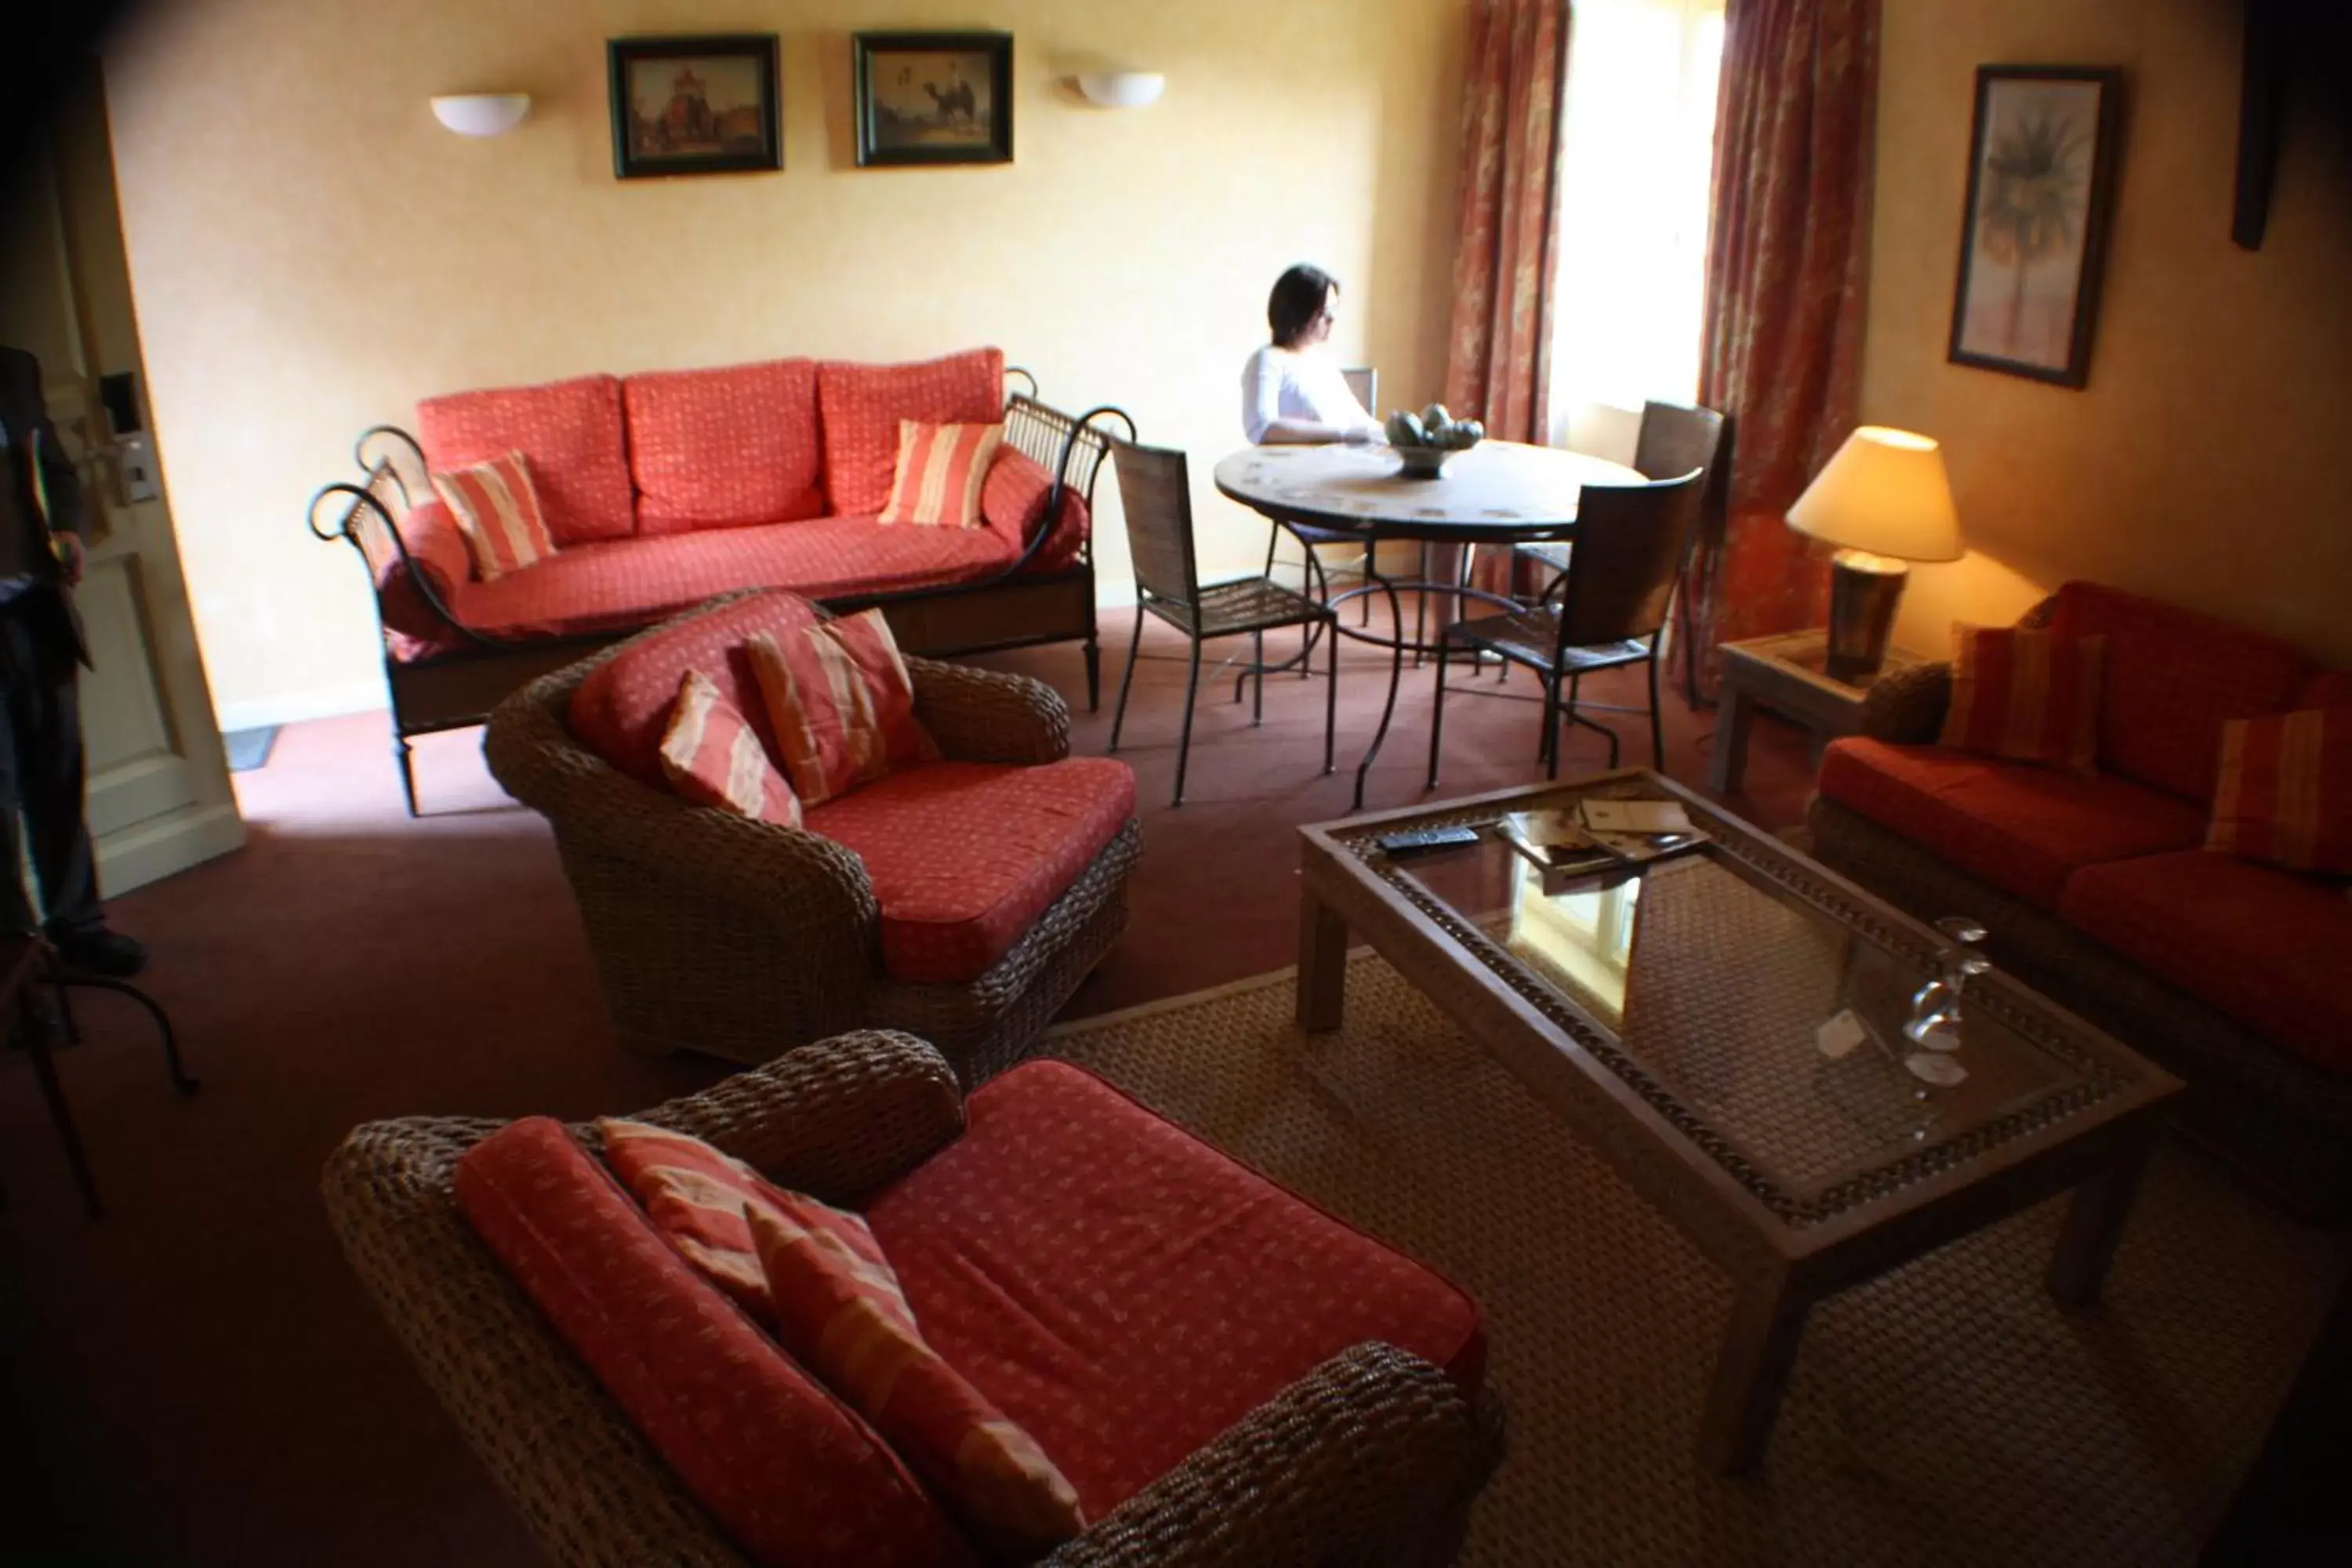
x: 716, y: 933
x: 1374, y: 1457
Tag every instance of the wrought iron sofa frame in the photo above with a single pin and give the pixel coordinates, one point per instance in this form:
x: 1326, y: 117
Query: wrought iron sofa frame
x: 457, y: 688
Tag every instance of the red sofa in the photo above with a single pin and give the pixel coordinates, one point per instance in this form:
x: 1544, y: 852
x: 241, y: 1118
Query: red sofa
x: 664, y: 488
x: 2098, y: 890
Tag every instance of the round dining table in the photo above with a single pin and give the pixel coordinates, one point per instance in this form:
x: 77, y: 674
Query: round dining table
x: 1498, y: 493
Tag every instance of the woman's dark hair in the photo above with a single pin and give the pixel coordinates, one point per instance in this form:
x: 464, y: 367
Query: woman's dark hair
x: 1298, y: 299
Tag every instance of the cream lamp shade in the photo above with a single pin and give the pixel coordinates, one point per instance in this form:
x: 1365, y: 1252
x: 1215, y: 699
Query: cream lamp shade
x: 1885, y: 493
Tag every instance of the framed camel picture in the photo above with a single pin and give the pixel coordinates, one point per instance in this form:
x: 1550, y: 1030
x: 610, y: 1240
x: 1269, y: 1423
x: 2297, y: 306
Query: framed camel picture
x: 932, y: 98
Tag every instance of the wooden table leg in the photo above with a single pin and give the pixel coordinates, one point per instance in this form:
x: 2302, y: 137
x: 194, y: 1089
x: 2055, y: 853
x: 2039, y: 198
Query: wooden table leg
x: 2094, y: 1224
x: 1322, y: 964
x: 1752, y: 1372
x: 1728, y: 763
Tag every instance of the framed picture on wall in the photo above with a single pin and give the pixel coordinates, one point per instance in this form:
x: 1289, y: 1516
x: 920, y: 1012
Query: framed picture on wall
x: 2033, y: 241
x: 932, y: 98
x: 702, y: 105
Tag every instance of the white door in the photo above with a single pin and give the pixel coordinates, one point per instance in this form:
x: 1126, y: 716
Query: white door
x: 160, y: 798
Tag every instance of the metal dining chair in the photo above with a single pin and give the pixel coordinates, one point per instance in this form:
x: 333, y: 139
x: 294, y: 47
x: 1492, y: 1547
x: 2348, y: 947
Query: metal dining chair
x: 1606, y: 610
x: 1156, y: 494
x: 1673, y: 438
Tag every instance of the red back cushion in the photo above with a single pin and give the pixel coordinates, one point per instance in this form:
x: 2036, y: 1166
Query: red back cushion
x: 861, y: 405
x: 790, y: 1473
x: 569, y: 431
x: 2172, y: 680
x: 622, y: 712
x: 724, y: 447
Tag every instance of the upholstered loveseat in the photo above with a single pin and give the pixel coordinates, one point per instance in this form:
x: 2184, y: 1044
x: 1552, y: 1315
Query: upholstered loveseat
x: 1227, y: 1376
x: 2098, y: 890
x: 963, y: 898
x: 664, y: 488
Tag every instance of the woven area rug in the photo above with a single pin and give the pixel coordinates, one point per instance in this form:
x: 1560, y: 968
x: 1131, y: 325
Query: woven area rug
x: 1947, y: 1413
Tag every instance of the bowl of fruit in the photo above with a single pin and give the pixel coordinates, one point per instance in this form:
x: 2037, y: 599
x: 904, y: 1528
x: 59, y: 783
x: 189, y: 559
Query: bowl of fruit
x: 1426, y: 439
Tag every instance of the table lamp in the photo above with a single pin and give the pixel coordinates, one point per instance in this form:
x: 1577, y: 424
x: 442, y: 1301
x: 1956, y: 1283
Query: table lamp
x: 1886, y: 501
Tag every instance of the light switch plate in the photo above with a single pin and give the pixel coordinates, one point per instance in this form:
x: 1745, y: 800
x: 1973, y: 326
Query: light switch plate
x: 135, y: 460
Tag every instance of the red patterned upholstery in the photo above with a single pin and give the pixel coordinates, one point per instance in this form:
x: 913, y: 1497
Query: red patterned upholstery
x: 1013, y: 502
x: 725, y: 448
x: 2172, y: 680
x: 633, y: 582
x: 861, y: 405
x: 1124, y: 1292
x: 623, y: 708
x: 964, y: 856
x: 2326, y: 688
x: 2264, y: 946
x: 2021, y: 827
x: 793, y: 1476
x: 569, y: 430
x: 439, y: 551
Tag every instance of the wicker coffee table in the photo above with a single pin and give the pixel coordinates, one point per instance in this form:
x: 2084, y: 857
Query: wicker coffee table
x: 1671, y: 1015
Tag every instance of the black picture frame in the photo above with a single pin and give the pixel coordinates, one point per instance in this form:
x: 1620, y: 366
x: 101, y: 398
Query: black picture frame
x: 729, y: 137
x: 885, y: 69
x: 2034, y: 185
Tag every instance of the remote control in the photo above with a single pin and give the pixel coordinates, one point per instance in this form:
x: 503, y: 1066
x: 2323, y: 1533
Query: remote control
x: 1416, y: 840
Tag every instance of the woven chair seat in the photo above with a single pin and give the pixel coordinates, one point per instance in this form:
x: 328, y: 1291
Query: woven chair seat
x: 1530, y: 637
x: 1253, y: 603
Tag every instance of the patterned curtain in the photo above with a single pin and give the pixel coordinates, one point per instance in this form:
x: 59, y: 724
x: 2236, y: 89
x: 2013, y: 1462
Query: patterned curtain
x: 1498, y: 353
x: 1788, y: 264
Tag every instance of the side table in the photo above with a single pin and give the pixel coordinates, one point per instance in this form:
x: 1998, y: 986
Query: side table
x: 1787, y: 674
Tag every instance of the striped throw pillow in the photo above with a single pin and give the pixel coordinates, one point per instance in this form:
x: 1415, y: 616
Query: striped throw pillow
x: 698, y: 1198
x: 842, y: 704
x: 498, y: 511
x: 2285, y: 794
x: 850, y: 1324
x: 941, y: 470
x: 711, y: 755
x: 2029, y: 696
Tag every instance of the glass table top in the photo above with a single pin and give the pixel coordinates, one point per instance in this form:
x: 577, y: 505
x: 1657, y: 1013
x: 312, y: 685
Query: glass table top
x: 1758, y: 1005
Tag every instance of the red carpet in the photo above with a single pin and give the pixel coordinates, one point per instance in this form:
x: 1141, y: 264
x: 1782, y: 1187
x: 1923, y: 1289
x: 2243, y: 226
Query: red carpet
x: 196, y: 1378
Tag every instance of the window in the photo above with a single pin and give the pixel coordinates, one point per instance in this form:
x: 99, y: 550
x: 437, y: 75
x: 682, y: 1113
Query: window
x: 1637, y: 150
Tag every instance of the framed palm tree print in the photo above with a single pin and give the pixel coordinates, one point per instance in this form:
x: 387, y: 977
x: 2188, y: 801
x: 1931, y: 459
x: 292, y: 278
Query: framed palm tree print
x: 2033, y: 241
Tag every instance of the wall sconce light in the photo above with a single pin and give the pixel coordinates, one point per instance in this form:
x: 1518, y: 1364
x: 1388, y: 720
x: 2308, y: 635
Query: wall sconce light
x: 1122, y: 89
x: 481, y: 113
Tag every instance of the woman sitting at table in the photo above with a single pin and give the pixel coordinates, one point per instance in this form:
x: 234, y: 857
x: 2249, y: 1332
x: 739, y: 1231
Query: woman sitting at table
x: 1290, y: 389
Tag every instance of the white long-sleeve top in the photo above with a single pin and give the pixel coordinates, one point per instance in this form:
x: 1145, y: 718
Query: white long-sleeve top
x: 1277, y: 384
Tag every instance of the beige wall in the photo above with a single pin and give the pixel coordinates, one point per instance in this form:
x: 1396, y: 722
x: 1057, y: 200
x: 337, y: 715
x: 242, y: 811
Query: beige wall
x: 2205, y: 461
x: 312, y: 253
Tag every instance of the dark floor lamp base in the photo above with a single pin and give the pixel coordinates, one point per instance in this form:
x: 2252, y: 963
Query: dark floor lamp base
x: 1864, y: 590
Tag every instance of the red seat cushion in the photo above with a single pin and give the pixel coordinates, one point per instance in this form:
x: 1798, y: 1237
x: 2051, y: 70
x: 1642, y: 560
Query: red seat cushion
x: 860, y: 406
x: 623, y: 710
x: 1124, y: 1292
x: 964, y: 856
x: 633, y: 582
x: 569, y: 431
x: 2024, y: 829
x: 793, y: 1475
x: 725, y: 448
x: 2172, y: 679
x: 2265, y: 946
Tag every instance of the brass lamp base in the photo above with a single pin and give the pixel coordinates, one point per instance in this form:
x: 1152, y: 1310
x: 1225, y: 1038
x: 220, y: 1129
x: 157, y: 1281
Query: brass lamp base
x: 1864, y: 589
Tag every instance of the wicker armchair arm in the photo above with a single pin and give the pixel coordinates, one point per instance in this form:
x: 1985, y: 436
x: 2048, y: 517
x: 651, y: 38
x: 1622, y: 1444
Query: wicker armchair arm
x: 590, y: 1487
x: 1907, y: 706
x: 1371, y: 1458
x: 986, y: 716
x: 836, y: 1119
x: 758, y: 865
